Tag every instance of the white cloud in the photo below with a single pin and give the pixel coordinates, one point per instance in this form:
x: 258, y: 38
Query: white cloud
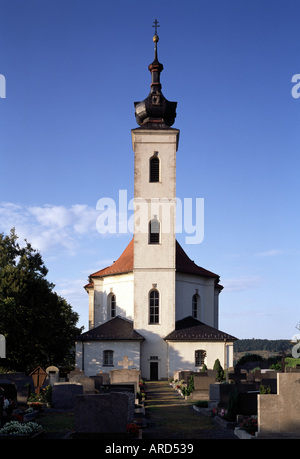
x: 49, y: 227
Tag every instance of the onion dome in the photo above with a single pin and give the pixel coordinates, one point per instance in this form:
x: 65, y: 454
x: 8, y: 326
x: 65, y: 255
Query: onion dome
x: 155, y: 111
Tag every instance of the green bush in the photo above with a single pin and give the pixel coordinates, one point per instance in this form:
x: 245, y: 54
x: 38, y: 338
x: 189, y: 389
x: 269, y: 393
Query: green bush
x: 264, y: 389
x: 220, y: 372
x: 291, y: 362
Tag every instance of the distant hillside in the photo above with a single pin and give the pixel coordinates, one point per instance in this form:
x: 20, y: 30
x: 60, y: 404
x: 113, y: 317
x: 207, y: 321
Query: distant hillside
x: 254, y: 345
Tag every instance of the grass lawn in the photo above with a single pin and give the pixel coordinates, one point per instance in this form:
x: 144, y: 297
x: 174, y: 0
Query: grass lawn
x: 56, y: 424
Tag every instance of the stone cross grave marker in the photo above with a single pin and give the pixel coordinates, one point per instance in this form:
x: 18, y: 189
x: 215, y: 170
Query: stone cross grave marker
x: 125, y: 362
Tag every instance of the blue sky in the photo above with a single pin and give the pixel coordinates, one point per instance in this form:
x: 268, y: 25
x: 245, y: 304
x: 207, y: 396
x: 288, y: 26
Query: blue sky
x: 73, y: 70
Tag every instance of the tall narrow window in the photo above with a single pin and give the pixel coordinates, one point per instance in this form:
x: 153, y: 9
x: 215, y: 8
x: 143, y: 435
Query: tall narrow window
x: 154, y: 230
x: 200, y: 357
x: 194, y: 306
x: 154, y: 169
x: 108, y: 358
x: 154, y: 307
x: 113, y: 306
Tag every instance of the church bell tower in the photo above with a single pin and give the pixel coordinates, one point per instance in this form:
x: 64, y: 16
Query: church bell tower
x: 155, y: 145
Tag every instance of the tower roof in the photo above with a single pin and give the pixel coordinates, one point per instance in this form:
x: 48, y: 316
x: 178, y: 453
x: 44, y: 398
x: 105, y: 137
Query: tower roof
x: 124, y: 264
x: 155, y: 112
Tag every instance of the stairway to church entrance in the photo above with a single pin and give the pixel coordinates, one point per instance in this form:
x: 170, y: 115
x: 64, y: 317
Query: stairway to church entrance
x: 169, y: 416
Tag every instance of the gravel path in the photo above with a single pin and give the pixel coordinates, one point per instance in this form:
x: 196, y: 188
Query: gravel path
x: 169, y: 416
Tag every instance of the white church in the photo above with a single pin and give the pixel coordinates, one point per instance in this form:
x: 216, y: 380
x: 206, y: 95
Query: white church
x: 154, y: 304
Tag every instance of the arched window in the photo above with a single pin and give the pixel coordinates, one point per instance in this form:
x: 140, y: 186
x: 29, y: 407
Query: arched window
x: 195, y: 306
x: 154, y: 169
x: 108, y: 358
x: 113, y: 306
x: 154, y: 230
x: 154, y: 307
x: 200, y: 356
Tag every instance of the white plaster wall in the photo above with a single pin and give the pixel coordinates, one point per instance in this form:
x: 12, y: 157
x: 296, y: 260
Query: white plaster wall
x: 182, y: 354
x: 122, y: 287
x: 145, y: 143
x: 154, y: 344
x: 154, y: 264
x: 186, y: 286
x: 93, y: 355
x: 155, y: 256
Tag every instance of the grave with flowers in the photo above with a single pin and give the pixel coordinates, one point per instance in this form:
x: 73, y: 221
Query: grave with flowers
x: 15, y: 430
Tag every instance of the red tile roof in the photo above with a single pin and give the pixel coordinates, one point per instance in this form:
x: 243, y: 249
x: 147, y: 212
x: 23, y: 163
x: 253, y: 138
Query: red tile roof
x: 124, y: 264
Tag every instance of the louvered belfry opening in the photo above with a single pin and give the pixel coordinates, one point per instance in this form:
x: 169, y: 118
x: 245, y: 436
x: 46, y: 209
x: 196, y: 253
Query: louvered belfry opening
x: 154, y: 229
x: 154, y: 169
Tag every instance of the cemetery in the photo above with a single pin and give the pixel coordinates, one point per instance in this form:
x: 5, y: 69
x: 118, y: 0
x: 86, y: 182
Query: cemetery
x: 107, y: 404
x: 254, y: 404
x: 260, y: 403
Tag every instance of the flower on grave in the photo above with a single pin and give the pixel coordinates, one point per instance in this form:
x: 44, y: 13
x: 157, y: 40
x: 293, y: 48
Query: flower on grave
x: 8, y: 406
x: 17, y: 428
x: 142, y: 386
x: 222, y: 413
x: 250, y: 425
x: 133, y: 429
x: 5, y: 404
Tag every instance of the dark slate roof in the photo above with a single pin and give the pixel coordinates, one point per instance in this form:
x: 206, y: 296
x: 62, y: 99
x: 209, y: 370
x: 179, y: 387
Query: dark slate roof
x: 117, y: 328
x: 185, y: 265
x: 190, y: 329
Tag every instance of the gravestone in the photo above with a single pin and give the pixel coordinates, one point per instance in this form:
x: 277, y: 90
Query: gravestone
x: 184, y: 375
x: 295, y: 369
x: 21, y: 382
x: 237, y: 376
x: 53, y: 373
x: 129, y: 389
x: 125, y: 375
x: 78, y: 376
x: 122, y: 387
x: 101, y: 413
x: 75, y: 374
x: 1, y: 405
x: 101, y: 379
x: 9, y: 389
x: 201, y: 387
x: 219, y: 394
x: 63, y: 394
x: 279, y: 414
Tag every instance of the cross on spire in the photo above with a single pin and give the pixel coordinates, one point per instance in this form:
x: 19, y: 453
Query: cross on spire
x: 155, y: 25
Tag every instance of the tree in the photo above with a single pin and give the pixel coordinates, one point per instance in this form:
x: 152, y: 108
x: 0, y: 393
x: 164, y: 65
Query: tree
x: 39, y: 325
x: 220, y: 372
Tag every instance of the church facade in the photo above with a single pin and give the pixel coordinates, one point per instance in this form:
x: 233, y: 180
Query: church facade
x: 154, y: 304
